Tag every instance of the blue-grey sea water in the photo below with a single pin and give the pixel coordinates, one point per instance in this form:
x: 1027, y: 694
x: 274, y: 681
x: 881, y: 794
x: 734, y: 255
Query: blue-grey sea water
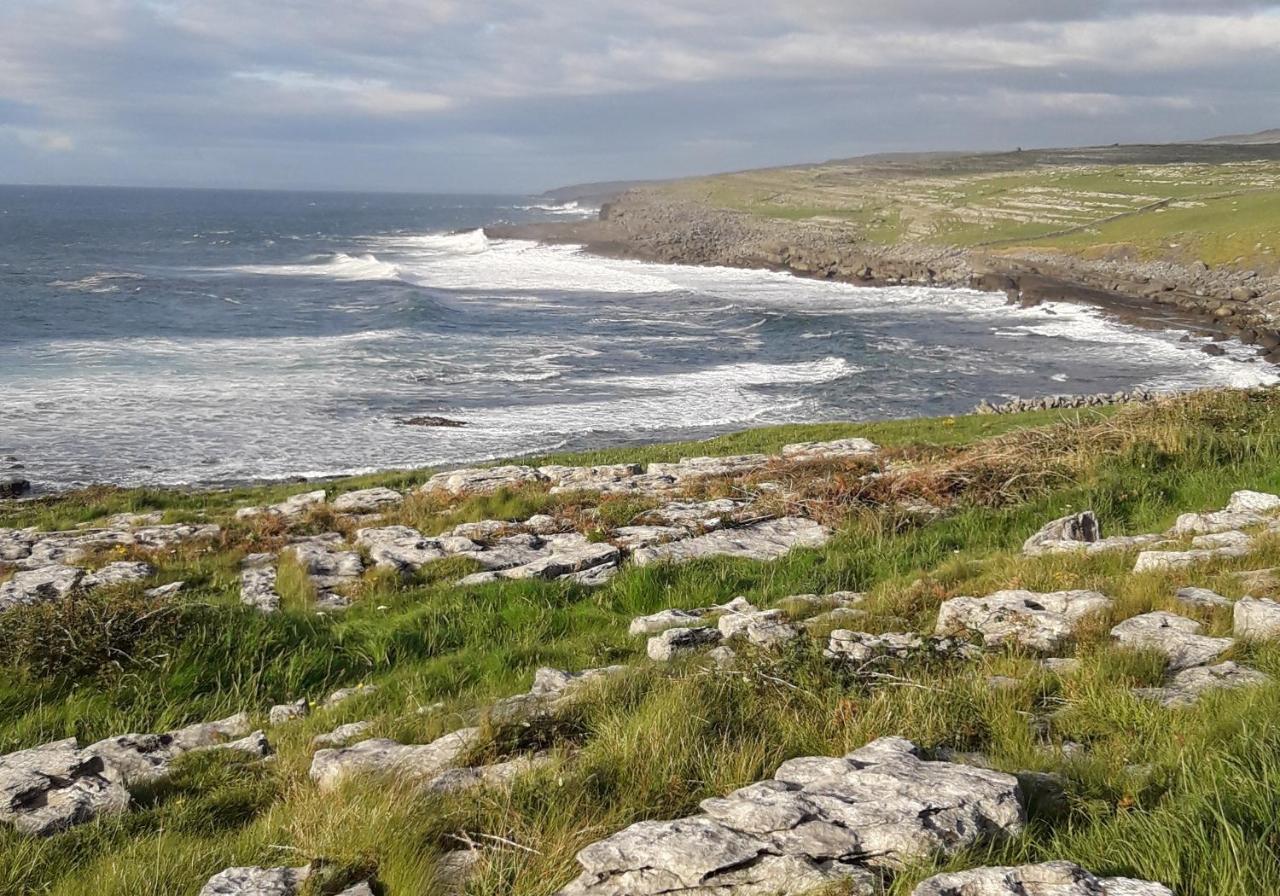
x: 168, y: 336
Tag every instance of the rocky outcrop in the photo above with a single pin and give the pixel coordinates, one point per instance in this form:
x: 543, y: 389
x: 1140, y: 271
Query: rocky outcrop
x: 1046, y: 879
x: 1201, y: 597
x: 768, y: 540
x: 1189, y: 685
x: 290, y: 510
x: 1177, y: 637
x: 250, y: 881
x: 39, y: 585
x: 1030, y: 619
x: 142, y: 758
x: 329, y: 768
x: 817, y: 821
x: 656, y: 623
x: 1256, y: 619
x: 367, y: 500
x: 50, y: 788
x: 258, y: 583
x: 1081, y: 532
x: 677, y: 642
x: 1066, y: 402
x: 552, y: 691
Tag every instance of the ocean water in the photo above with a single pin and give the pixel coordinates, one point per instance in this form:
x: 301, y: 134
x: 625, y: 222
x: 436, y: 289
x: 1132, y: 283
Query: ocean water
x: 167, y: 337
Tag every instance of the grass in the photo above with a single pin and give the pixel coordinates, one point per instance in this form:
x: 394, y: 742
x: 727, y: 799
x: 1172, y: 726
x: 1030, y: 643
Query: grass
x: 1221, y: 213
x: 1188, y: 797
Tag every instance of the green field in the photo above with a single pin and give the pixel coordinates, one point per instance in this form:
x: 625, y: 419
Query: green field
x: 1189, y: 797
x: 1113, y: 202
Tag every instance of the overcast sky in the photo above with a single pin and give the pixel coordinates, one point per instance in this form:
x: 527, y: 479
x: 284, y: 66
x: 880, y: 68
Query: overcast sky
x: 521, y: 95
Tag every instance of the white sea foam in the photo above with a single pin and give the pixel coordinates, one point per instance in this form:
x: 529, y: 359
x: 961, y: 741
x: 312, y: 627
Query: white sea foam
x: 339, y: 266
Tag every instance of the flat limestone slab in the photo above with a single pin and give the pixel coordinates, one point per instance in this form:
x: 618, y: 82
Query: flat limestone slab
x: 768, y: 540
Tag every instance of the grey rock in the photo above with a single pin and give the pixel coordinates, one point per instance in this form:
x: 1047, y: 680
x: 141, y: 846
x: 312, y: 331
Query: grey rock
x: 1253, y: 502
x: 860, y: 647
x: 39, y: 585
x: 13, y: 486
x: 168, y: 590
x: 818, y: 820
x: 1046, y: 879
x: 342, y: 735
x: 676, y: 642
x: 1188, y: 685
x: 832, y: 450
x: 367, y: 500
x: 691, y: 469
x: 1177, y: 637
x: 400, y: 547
x: 658, y: 622
x: 290, y: 509
x: 149, y: 757
x: 258, y: 586
x: 496, y: 775
x: 632, y: 537
x: 1067, y: 533
x: 606, y: 478
x: 342, y: 695
x: 763, y: 541
x: 56, y: 786
x: 695, y: 515
x: 15, y: 544
x: 764, y: 628
x: 1218, y: 521
x: 118, y: 573
x: 1256, y: 619
x: 1061, y: 665
x: 1201, y: 597
x: 1166, y: 560
x: 483, y: 480
x: 552, y: 690
x: 329, y: 768
x: 245, y: 881
x: 1034, y: 620
x: 287, y: 712
x: 454, y: 869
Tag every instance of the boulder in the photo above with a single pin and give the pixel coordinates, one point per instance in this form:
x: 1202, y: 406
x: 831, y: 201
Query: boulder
x: 763, y: 541
x: 257, y: 882
x: 496, y: 775
x: 287, y: 712
x: 1030, y: 619
x: 342, y: 735
x: 367, y: 500
x: 1256, y: 619
x: 677, y: 642
x: 1201, y: 597
x: 1066, y: 533
x: 290, y: 509
x: 1045, y: 879
x: 1177, y: 637
x: 39, y: 585
x: 817, y: 821
x: 454, y: 869
x: 658, y: 622
x: 168, y: 590
x: 691, y: 469
x: 1253, y: 502
x: 118, y: 573
x: 632, y: 537
x: 342, y: 695
x: 12, y: 486
x: 56, y: 786
x: 552, y: 690
x: 329, y: 768
x: 1219, y: 521
x: 1188, y: 685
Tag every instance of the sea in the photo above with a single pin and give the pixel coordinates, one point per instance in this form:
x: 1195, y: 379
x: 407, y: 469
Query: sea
x: 167, y: 337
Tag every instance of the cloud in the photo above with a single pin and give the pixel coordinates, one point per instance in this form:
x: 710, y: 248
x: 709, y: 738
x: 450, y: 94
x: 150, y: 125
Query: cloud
x: 488, y: 92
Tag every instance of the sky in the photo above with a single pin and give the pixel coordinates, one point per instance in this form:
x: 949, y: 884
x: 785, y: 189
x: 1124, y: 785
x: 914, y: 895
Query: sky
x: 520, y: 96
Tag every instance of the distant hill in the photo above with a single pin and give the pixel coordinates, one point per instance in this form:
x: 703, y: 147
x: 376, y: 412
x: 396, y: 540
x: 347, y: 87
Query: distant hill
x: 593, y: 193
x: 1270, y: 136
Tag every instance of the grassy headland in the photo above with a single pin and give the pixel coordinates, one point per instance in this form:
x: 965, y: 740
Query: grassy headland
x: 1190, y: 797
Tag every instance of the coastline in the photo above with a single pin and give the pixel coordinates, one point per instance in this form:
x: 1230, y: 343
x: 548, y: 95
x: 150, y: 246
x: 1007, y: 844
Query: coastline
x: 646, y: 225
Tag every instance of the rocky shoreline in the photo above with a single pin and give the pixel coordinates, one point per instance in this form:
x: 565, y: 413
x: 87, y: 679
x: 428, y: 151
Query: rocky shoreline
x: 649, y: 225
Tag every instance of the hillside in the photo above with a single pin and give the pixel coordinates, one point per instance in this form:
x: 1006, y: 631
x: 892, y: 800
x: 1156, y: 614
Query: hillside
x: 381, y: 660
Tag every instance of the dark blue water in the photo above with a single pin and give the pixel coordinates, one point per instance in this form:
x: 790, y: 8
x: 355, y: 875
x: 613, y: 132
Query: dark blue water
x: 165, y: 336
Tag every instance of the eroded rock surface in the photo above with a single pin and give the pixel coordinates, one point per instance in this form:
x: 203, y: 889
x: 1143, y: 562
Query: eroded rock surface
x: 1177, y: 637
x: 39, y: 585
x: 56, y: 786
x: 768, y: 540
x: 1201, y: 597
x: 1030, y: 619
x: 142, y: 758
x: 1188, y: 685
x: 677, y: 642
x: 367, y: 500
x: 1257, y: 619
x: 1045, y: 879
x: 329, y: 768
x: 258, y: 583
x: 252, y: 881
x: 816, y: 821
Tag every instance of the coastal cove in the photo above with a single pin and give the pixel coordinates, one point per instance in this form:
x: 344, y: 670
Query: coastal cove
x: 228, y: 337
